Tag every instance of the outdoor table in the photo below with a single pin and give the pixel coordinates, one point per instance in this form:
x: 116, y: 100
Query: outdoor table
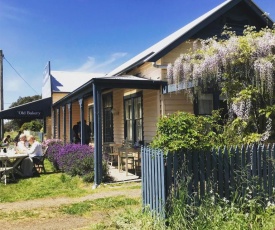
x: 14, y: 160
x: 126, y: 152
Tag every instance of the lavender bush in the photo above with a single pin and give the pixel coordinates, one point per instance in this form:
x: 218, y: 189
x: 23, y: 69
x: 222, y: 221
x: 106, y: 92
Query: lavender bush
x: 76, y: 159
x: 54, y: 147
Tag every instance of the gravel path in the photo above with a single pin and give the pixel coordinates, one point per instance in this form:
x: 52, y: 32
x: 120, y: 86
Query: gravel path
x: 55, y: 202
x: 52, y: 222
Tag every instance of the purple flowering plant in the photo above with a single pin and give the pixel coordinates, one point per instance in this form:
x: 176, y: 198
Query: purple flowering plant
x: 76, y: 159
x: 54, y: 146
x: 241, y: 68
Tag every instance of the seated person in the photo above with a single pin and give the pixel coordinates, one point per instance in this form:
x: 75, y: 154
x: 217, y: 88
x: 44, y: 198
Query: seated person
x: 6, y: 142
x: 35, y: 152
x: 23, y: 144
x: 35, y: 149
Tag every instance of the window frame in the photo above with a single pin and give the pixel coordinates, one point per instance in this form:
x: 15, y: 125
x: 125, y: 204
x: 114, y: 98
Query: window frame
x: 107, y: 117
x: 133, y: 122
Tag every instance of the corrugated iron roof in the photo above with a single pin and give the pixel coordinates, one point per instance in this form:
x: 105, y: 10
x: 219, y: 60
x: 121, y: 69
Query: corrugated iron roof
x: 152, y: 53
x: 125, y: 77
x: 63, y: 81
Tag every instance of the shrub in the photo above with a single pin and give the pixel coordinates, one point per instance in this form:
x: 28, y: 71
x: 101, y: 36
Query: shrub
x: 76, y: 159
x: 54, y: 146
x: 186, y: 131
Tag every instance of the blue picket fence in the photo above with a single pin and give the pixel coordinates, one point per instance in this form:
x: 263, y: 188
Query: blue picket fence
x: 224, y: 172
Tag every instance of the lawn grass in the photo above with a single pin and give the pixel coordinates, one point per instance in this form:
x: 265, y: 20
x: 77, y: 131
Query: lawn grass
x: 119, y: 211
x: 53, y: 184
x: 103, y: 213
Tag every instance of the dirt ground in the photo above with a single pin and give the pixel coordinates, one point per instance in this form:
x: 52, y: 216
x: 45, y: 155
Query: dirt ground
x: 49, y: 218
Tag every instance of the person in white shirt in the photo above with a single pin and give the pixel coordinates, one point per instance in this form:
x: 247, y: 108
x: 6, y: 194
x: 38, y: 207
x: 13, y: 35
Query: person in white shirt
x: 35, y: 149
x: 35, y: 154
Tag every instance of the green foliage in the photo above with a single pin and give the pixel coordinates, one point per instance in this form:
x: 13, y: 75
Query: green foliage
x: 9, y: 126
x: 34, y: 125
x: 216, y: 213
x: 24, y: 100
x: 241, y: 68
x: 186, y: 131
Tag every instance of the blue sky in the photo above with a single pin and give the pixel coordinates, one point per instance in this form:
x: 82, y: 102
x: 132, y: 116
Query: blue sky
x: 85, y: 35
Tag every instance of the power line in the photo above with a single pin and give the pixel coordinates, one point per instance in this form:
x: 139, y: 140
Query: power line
x: 20, y: 75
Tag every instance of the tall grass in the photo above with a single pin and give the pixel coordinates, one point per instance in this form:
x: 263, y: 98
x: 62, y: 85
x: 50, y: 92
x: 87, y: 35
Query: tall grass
x: 215, y: 213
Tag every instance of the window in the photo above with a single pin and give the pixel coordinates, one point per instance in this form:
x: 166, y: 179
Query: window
x: 205, y: 104
x: 209, y: 101
x: 108, y: 135
x: 133, y: 118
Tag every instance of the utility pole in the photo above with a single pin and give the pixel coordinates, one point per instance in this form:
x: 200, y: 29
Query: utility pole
x: 1, y: 94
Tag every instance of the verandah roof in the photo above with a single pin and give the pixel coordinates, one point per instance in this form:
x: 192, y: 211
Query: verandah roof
x: 125, y: 81
x: 38, y: 109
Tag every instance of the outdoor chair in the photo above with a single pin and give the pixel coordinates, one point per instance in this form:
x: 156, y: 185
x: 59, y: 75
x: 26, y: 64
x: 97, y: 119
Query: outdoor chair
x: 38, y: 162
x: 137, y: 166
x: 113, y: 153
x: 5, y: 170
x: 130, y: 155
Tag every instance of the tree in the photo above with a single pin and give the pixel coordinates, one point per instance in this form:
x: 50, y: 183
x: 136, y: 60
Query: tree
x: 34, y: 125
x: 17, y: 123
x: 242, y: 68
x: 24, y: 100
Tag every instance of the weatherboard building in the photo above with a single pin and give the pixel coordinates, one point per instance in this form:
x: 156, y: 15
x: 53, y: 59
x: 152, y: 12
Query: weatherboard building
x: 127, y: 102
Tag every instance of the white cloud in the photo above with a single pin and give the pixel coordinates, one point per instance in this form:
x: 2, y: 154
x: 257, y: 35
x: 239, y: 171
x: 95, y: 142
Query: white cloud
x: 12, y: 13
x: 87, y: 66
x: 92, y: 66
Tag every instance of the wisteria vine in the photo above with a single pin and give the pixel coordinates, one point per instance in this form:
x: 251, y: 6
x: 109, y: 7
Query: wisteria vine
x: 234, y: 63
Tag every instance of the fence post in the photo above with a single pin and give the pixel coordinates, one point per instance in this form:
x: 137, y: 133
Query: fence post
x: 215, y: 171
x: 202, y: 173
x: 232, y: 170
x: 264, y: 173
x: 226, y: 173
x: 220, y: 177
x: 162, y: 189
x: 270, y: 170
